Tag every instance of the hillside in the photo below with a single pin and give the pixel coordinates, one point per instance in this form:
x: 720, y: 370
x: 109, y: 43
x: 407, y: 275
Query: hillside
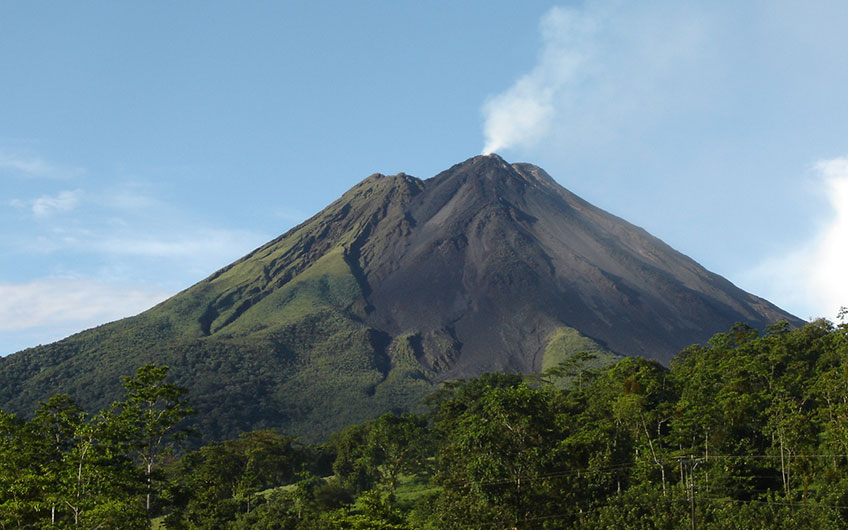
x: 398, y: 284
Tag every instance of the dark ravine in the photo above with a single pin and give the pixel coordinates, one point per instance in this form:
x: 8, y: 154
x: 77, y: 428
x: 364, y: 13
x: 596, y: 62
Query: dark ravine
x: 400, y: 283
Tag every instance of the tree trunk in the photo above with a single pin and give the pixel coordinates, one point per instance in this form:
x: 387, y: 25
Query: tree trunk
x: 783, y: 473
x: 149, y: 487
x: 654, y: 455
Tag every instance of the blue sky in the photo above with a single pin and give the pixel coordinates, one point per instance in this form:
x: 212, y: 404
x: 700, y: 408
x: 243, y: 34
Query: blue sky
x: 145, y: 145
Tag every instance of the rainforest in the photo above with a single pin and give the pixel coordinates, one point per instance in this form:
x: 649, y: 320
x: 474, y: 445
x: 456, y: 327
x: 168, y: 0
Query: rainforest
x: 749, y: 430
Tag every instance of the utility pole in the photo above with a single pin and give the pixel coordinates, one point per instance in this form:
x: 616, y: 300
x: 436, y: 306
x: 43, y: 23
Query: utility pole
x: 690, y: 464
x: 691, y: 494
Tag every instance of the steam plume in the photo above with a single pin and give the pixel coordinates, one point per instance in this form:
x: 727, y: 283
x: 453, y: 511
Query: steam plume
x: 523, y: 114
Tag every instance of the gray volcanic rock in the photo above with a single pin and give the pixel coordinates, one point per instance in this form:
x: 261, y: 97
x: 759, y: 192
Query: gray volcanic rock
x: 497, y: 256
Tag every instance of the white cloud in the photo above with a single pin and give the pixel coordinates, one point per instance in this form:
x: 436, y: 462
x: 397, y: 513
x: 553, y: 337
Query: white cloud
x: 64, y: 201
x: 133, y: 196
x: 125, y: 223
x: 35, y: 167
x: 47, y: 309
x: 60, y: 302
x: 829, y: 274
x: 180, y: 253
x: 291, y: 215
x: 139, y: 247
x: 812, y: 279
x: 206, y: 244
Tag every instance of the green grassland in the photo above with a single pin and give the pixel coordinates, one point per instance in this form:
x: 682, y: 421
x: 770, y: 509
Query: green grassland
x: 562, y: 346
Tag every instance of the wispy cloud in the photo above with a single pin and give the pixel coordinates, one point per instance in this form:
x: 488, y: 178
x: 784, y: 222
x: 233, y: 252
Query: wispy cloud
x: 134, y: 272
x: 59, y: 302
x: 46, y: 205
x: 128, y: 222
x: 291, y: 215
x: 125, y: 234
x: 98, y: 254
x: 35, y: 167
x: 186, y: 251
x: 812, y: 276
x: 190, y: 245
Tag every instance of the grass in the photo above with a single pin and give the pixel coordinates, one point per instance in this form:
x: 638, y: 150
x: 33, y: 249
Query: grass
x: 411, y: 488
x: 564, y: 342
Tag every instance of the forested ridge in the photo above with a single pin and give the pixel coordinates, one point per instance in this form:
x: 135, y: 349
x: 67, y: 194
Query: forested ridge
x: 747, y: 431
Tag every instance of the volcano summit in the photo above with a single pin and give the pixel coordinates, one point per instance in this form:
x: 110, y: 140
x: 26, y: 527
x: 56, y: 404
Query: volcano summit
x: 401, y: 283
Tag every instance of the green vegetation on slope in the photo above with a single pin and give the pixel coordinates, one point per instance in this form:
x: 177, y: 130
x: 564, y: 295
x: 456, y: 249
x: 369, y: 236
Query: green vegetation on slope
x: 566, y: 347
x: 299, y: 359
x: 276, y: 339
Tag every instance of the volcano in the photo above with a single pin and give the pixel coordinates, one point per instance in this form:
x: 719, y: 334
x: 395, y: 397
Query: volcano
x: 397, y: 285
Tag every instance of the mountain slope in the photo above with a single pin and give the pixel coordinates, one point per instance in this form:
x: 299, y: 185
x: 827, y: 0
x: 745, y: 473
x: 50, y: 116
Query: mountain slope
x: 520, y: 257
x: 398, y: 284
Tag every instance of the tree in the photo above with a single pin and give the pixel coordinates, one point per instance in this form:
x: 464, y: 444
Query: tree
x: 499, y: 460
x: 21, y: 474
x: 87, y: 478
x: 399, y: 444
x: 148, y: 419
x: 355, y: 463
x: 572, y: 370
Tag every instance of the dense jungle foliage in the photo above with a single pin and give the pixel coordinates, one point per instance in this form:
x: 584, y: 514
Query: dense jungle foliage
x: 747, y: 431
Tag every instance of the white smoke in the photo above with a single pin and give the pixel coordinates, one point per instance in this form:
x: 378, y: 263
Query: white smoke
x: 603, y: 66
x: 655, y: 93
x: 523, y: 114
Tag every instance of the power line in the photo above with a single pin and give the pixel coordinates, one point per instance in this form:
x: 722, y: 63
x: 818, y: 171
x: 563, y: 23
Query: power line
x: 710, y: 457
x: 626, y: 465
x: 777, y: 503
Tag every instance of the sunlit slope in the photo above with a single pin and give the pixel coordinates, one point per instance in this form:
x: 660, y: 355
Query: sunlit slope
x: 277, y: 339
